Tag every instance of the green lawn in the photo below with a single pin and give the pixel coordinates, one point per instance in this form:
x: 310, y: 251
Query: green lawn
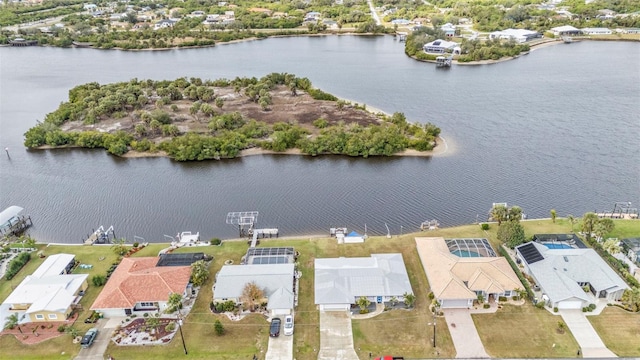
x: 398, y: 332
x: 524, y: 332
x: 619, y: 329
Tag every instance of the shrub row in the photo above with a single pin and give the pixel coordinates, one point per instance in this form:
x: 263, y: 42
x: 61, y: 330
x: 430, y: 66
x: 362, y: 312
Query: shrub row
x: 515, y: 268
x: 16, y: 264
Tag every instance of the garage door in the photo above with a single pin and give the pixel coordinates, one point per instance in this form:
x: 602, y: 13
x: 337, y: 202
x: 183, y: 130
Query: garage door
x: 335, y: 307
x: 575, y: 304
x: 455, y: 303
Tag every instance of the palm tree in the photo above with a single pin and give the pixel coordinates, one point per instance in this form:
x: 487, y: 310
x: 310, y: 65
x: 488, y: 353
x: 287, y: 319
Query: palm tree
x: 612, y: 246
x: 174, y: 302
x: 572, y: 221
x: 363, y: 303
x: 499, y: 213
x: 12, y: 322
x: 589, y: 221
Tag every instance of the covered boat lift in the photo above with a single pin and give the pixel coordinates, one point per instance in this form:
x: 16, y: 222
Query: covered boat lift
x: 12, y: 222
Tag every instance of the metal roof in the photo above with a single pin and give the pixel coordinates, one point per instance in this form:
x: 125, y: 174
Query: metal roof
x: 8, y: 213
x: 342, y: 280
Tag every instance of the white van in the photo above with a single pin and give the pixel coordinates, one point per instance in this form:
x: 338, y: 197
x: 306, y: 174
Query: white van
x: 288, y: 325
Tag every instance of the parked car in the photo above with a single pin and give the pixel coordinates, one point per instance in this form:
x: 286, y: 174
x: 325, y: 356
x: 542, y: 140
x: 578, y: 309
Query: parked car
x: 288, y: 325
x: 274, y: 329
x: 88, y: 338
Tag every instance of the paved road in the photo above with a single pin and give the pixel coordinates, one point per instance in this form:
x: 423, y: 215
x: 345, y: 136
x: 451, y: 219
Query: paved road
x: 374, y: 13
x: 280, y: 348
x: 336, y: 336
x: 464, y: 334
x: 589, y: 341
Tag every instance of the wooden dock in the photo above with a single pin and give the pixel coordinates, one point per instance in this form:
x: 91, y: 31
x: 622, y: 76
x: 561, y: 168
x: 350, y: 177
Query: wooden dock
x: 100, y: 236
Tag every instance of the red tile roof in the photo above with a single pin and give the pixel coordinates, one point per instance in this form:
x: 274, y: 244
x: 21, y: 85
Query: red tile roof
x: 139, y: 279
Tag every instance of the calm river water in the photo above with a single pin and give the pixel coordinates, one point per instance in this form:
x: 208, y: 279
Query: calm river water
x: 559, y: 128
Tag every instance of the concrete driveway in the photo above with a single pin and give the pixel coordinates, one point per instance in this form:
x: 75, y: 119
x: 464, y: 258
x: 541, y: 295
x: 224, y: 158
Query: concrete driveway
x: 336, y: 337
x: 96, y: 350
x: 464, y: 334
x: 280, y: 347
x: 590, y: 343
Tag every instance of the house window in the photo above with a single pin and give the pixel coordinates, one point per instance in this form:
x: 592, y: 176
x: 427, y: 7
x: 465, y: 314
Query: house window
x: 39, y: 317
x: 507, y: 293
x: 53, y: 316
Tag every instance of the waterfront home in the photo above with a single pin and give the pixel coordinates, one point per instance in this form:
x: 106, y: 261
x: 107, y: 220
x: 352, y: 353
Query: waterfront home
x: 140, y: 285
x: 570, y: 278
x: 441, y: 46
x: 632, y: 248
x: 461, y: 271
x: 164, y: 23
x: 340, y: 282
x: 449, y: 29
x: 275, y: 280
x: 596, y: 31
x: 50, y: 293
x: 565, y: 30
x: 519, y: 35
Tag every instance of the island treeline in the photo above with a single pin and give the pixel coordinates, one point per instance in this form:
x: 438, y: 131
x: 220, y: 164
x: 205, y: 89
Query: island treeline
x: 188, y: 119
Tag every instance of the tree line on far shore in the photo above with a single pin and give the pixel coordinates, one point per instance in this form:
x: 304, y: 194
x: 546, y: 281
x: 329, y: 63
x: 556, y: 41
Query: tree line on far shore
x: 151, y: 106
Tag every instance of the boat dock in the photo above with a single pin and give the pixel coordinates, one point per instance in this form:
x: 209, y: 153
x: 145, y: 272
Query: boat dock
x: 621, y: 210
x: 444, y: 61
x: 13, y: 222
x: 429, y: 225
x: 100, y: 236
x: 262, y: 233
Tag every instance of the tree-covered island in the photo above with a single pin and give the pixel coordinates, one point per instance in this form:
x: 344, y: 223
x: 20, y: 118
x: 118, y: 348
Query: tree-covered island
x: 195, y: 119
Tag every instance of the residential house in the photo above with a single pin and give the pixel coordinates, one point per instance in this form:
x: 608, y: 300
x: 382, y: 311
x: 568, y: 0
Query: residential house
x: 143, y: 284
x: 275, y: 280
x: 50, y: 293
x: 565, y: 30
x: 631, y: 246
x: 400, y: 22
x: 596, y: 31
x: 462, y: 270
x: 449, y: 30
x: 164, y: 23
x: 442, y: 46
x: 570, y: 278
x: 519, y: 35
x: 340, y: 282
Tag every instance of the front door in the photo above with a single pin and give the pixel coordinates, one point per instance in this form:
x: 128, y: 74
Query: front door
x: 379, y: 300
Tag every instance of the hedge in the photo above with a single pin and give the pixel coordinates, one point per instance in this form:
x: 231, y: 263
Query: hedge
x: 515, y: 268
x: 16, y: 264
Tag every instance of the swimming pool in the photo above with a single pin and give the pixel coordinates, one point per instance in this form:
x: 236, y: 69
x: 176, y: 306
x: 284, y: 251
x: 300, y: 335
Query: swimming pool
x: 557, y: 246
x: 465, y: 253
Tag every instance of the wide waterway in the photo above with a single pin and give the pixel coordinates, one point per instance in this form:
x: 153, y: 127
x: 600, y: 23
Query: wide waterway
x: 558, y: 128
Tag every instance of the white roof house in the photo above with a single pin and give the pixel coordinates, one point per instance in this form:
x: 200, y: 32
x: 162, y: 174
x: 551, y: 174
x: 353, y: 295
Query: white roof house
x: 596, y: 31
x: 519, y: 35
x: 564, y: 274
x: 276, y: 280
x: 565, y: 30
x: 339, y: 282
x: 58, y: 264
x: 48, y: 294
x: 441, y: 46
